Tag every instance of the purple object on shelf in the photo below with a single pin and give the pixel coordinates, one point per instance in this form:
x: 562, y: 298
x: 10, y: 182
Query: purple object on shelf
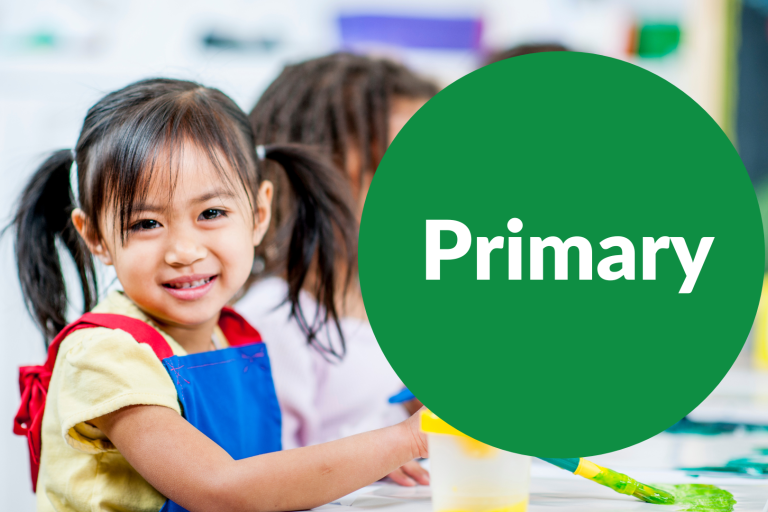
x: 411, y: 32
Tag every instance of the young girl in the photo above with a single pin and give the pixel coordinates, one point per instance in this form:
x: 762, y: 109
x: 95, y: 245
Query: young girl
x: 350, y: 107
x: 161, y: 397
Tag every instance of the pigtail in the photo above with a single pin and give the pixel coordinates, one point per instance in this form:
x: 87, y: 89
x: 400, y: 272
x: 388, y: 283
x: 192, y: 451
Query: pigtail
x: 323, y: 236
x: 43, y: 216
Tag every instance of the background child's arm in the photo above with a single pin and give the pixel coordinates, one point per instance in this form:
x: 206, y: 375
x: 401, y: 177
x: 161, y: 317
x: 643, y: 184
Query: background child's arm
x: 187, y: 467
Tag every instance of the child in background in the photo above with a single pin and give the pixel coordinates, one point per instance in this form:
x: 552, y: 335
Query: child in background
x: 350, y: 107
x: 161, y: 397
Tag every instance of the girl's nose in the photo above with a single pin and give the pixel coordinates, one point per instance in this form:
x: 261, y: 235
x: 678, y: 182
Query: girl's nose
x: 184, y: 251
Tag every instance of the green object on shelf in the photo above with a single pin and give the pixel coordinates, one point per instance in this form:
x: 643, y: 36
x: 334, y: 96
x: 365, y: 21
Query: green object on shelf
x: 657, y: 40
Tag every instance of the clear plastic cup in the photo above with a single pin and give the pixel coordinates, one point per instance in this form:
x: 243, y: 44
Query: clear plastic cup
x: 469, y: 476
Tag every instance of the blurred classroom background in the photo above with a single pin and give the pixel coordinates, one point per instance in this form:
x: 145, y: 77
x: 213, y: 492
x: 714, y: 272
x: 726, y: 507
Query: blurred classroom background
x: 58, y: 58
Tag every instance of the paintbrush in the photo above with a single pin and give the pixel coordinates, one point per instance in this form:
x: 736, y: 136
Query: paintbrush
x: 617, y: 481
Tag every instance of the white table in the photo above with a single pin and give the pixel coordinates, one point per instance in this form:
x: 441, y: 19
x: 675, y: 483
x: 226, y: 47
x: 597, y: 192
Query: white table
x: 551, y: 491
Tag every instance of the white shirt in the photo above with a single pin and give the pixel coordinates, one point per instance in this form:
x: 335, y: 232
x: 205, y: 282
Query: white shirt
x: 320, y: 400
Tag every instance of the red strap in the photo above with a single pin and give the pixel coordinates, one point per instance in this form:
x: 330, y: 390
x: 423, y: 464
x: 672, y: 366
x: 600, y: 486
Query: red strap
x: 236, y: 329
x: 34, y: 380
x: 141, y: 331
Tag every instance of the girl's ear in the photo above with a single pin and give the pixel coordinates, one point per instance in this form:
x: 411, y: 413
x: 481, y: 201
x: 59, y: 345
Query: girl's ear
x: 263, y: 213
x: 90, y: 236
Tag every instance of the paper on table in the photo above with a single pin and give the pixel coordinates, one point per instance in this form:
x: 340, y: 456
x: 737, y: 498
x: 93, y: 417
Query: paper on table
x: 384, y: 497
x: 419, y: 492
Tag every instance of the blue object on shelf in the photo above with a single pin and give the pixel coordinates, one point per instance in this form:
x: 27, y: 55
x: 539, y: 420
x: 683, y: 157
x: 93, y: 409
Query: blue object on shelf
x: 411, y: 32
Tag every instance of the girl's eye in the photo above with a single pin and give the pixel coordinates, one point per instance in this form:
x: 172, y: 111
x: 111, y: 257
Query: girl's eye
x: 212, y: 213
x: 145, y: 224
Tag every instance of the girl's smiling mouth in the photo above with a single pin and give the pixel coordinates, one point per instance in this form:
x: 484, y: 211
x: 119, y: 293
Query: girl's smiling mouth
x: 190, y: 287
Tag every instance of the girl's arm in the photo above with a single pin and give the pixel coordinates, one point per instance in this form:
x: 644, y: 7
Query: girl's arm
x: 186, y: 466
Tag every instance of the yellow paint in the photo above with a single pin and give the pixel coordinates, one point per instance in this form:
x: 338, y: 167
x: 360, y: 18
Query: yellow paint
x: 521, y: 506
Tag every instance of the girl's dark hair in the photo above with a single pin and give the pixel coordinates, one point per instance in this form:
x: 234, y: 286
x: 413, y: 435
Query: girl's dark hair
x: 126, y: 137
x: 334, y: 103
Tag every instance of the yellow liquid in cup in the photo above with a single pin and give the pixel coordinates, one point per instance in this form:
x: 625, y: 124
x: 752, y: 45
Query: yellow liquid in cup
x: 521, y: 506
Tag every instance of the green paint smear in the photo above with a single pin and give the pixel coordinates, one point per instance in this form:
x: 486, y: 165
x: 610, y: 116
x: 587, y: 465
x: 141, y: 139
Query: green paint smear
x: 700, y: 497
x: 687, y: 497
x: 623, y: 484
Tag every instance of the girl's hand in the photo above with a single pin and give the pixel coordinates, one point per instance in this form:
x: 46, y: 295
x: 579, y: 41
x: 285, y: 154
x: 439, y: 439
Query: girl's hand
x: 419, y: 439
x: 409, y: 474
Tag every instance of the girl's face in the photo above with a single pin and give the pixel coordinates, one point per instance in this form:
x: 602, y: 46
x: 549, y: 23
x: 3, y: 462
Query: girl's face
x: 400, y: 111
x: 182, y: 260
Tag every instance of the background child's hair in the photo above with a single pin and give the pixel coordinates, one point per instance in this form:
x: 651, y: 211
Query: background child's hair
x: 525, y: 49
x: 123, y: 136
x: 335, y: 103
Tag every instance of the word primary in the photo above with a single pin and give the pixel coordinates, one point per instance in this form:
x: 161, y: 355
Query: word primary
x: 625, y: 261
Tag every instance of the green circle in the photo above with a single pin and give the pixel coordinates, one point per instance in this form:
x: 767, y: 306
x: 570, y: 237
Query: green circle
x: 573, y: 145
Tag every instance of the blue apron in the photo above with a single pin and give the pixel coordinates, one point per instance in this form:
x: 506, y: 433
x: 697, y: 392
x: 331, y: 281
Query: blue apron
x: 229, y: 395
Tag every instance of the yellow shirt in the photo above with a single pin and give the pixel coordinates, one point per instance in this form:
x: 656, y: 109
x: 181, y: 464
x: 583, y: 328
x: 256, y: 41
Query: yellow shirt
x: 99, y: 371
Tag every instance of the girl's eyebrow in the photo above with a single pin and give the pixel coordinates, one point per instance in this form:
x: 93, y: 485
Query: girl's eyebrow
x: 144, y: 207
x: 219, y: 192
